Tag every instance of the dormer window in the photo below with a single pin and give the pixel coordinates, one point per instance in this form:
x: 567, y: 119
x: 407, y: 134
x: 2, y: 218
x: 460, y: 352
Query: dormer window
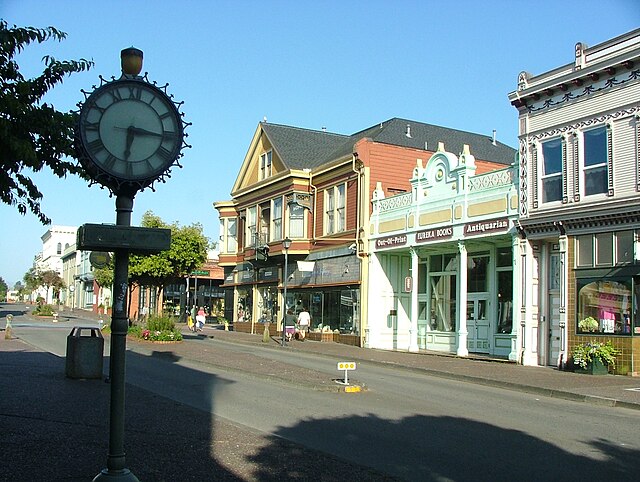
x: 265, y: 165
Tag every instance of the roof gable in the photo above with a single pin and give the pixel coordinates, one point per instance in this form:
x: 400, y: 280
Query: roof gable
x: 295, y: 148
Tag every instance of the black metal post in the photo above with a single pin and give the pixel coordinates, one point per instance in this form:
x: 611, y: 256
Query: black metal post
x: 119, y: 327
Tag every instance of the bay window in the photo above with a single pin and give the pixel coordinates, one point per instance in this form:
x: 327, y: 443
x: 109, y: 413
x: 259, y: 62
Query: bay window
x: 276, y: 220
x: 250, y: 230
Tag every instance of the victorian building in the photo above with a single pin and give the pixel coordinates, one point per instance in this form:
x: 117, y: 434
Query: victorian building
x: 579, y: 190
x: 302, y: 199
x: 442, y: 259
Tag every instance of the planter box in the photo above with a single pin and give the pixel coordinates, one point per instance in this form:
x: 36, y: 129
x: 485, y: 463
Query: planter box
x: 319, y: 336
x: 241, y: 327
x: 594, y: 368
x: 353, y: 340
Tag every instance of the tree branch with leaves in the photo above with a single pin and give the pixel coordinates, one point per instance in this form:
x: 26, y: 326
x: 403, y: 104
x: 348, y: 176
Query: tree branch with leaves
x: 33, y: 134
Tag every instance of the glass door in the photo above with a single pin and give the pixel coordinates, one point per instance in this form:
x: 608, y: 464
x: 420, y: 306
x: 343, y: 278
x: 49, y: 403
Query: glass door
x: 478, y: 324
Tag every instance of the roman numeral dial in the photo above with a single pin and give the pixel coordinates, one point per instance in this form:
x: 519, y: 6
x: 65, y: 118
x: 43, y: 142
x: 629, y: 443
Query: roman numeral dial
x: 129, y: 129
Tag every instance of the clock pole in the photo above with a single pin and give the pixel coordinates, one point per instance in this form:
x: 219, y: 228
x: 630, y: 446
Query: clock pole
x: 111, y: 123
x: 119, y: 327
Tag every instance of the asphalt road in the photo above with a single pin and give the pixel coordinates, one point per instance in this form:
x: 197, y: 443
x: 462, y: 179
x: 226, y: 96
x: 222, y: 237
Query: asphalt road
x: 406, y: 424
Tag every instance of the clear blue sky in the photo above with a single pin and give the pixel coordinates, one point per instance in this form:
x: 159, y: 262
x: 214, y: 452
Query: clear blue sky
x: 343, y: 65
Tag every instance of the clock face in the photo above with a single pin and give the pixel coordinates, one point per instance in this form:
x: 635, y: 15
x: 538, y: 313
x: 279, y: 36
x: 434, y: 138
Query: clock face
x: 130, y: 130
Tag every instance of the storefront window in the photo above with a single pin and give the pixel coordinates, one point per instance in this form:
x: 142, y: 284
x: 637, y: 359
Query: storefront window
x: 245, y: 304
x: 334, y: 309
x: 267, y: 304
x: 477, y: 273
x: 604, y: 306
x: 443, y: 302
x: 505, y: 302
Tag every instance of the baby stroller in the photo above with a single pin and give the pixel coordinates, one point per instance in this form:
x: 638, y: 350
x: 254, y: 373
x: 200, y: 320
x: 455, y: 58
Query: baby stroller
x: 289, y: 332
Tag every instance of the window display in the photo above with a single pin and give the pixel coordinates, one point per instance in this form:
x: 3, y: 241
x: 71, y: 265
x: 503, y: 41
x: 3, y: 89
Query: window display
x: 604, y: 306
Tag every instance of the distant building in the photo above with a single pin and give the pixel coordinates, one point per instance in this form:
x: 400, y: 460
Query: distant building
x: 54, y: 241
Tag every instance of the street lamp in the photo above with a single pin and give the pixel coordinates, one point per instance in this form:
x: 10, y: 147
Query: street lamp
x: 286, y: 244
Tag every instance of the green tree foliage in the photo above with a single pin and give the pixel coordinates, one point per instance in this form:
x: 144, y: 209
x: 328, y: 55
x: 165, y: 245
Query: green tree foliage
x: 3, y: 288
x: 31, y: 279
x: 104, y: 276
x: 33, y: 134
x: 188, y: 251
x: 35, y: 278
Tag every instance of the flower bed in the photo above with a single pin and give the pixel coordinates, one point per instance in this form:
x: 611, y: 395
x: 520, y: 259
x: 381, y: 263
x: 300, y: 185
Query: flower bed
x: 158, y: 329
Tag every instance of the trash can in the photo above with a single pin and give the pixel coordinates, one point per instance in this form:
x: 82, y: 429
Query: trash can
x: 84, y: 353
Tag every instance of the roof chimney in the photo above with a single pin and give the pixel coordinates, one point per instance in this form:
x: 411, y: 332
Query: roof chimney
x: 408, y: 133
x: 493, y: 141
x: 324, y: 129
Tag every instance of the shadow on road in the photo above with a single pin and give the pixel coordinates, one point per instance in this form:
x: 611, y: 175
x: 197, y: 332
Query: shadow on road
x: 452, y: 448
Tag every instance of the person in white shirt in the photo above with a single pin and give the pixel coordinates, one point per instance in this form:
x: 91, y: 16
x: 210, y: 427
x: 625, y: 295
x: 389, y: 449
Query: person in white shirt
x: 304, y: 320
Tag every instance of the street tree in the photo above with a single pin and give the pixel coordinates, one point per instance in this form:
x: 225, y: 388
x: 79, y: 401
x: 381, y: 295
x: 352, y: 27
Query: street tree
x: 36, y: 278
x: 188, y: 251
x: 51, y: 279
x: 33, y: 134
x: 3, y: 288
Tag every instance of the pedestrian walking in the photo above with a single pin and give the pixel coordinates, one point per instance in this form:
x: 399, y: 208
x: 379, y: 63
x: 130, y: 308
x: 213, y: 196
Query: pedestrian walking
x: 201, y: 318
x: 304, y: 320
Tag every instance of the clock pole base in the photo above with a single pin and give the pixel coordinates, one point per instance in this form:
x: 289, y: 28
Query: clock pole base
x: 123, y: 475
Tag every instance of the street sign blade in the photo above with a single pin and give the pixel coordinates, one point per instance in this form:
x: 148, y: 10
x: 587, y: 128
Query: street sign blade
x: 109, y: 237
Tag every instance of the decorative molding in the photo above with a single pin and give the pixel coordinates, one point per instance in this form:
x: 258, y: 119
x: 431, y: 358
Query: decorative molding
x: 503, y: 177
x: 637, y: 118
x: 534, y: 175
x: 565, y: 174
x: 576, y: 167
x: 588, y: 90
x: 524, y: 209
x: 394, y: 202
x: 582, y: 124
x: 610, y: 159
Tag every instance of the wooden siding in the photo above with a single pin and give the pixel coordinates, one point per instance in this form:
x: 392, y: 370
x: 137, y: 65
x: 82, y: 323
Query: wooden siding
x: 591, y: 107
x: 351, y: 204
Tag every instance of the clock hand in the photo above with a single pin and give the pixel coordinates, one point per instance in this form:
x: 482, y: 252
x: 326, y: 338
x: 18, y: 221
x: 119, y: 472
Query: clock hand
x: 145, y: 132
x: 127, y: 149
x: 139, y: 131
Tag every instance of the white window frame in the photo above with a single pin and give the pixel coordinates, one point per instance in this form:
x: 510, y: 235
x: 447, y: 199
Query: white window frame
x: 230, y: 239
x: 296, y: 226
x: 544, y: 177
x: 251, y: 226
x: 335, y: 209
x: 266, y: 163
x: 276, y: 219
x: 603, y: 164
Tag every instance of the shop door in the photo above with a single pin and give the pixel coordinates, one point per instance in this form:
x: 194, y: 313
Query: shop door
x: 478, y: 324
x: 553, y: 311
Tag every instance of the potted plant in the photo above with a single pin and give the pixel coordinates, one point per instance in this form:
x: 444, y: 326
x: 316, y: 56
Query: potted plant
x: 594, y: 358
x: 588, y: 325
